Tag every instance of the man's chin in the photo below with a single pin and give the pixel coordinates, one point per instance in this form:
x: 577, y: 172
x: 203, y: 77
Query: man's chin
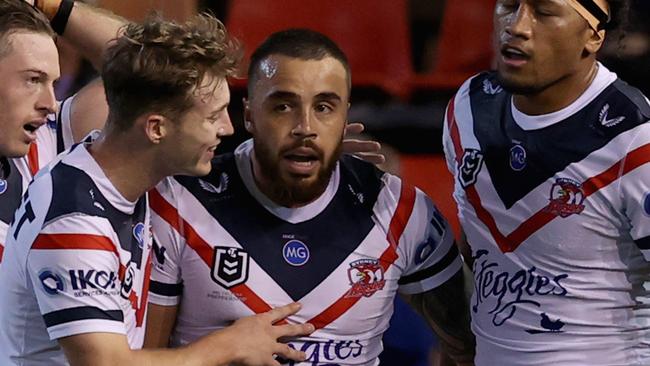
x: 16, y: 151
x: 516, y: 84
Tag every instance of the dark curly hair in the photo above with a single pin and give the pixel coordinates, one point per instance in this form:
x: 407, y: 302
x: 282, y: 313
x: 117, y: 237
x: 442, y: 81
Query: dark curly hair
x: 159, y: 65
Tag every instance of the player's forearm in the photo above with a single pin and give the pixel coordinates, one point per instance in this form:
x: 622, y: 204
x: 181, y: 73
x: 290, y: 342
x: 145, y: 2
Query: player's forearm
x: 446, y: 308
x: 196, y: 354
x: 89, y: 29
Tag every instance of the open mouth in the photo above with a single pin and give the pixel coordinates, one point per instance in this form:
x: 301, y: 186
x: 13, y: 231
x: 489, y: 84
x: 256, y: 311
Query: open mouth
x: 32, y: 126
x: 514, y: 54
x: 302, y: 160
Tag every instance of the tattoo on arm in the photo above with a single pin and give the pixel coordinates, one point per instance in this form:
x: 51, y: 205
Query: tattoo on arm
x: 446, y: 309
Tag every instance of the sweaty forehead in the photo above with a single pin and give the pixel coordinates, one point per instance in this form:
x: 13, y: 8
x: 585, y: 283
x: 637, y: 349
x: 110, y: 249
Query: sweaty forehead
x: 294, y: 74
x: 32, y: 51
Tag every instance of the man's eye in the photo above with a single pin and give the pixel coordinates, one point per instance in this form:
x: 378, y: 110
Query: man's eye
x: 323, y: 108
x: 282, y: 108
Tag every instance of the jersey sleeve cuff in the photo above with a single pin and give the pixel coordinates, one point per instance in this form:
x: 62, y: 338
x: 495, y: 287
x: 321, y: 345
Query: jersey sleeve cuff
x: 165, y: 294
x: 428, y: 283
x: 84, y: 327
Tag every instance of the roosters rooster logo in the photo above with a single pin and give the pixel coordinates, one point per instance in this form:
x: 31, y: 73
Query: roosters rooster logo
x: 366, y: 277
x: 566, y: 198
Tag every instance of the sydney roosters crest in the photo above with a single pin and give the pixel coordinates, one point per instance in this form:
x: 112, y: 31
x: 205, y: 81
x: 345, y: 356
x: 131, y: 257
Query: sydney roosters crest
x: 366, y: 277
x: 470, y: 166
x: 566, y: 198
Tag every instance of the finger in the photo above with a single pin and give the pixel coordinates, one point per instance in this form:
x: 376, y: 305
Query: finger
x: 292, y: 330
x: 282, y: 312
x: 289, y: 353
x: 371, y: 158
x: 353, y: 146
x: 354, y: 128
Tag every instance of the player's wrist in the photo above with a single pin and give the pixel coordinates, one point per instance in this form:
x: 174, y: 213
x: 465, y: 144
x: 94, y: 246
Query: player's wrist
x: 57, y: 11
x: 216, y: 348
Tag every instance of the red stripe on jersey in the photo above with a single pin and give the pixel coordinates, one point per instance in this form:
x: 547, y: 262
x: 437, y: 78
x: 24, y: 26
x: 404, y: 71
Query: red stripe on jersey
x: 472, y: 196
x: 170, y: 214
x: 74, y: 241
x: 141, y: 307
x: 253, y: 301
x: 453, y: 130
x: 397, y: 226
x: 2, y: 250
x: 32, y: 158
x: 631, y: 161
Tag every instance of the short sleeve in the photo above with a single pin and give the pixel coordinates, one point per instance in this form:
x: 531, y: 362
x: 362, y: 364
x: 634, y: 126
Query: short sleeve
x: 166, y: 284
x: 74, y: 269
x: 429, y: 254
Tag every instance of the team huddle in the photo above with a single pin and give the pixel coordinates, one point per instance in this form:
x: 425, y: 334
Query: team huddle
x: 127, y: 237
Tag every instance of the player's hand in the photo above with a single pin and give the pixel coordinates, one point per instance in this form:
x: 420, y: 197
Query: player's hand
x: 255, y: 338
x: 365, y: 150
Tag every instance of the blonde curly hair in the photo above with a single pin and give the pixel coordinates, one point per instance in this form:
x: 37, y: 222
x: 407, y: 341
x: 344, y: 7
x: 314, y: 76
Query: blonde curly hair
x: 159, y: 65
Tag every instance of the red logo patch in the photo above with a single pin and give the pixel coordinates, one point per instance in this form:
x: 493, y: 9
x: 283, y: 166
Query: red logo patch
x: 366, y: 277
x: 566, y: 198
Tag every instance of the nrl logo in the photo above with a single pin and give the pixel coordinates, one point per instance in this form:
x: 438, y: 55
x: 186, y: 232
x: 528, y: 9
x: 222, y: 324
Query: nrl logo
x: 229, y: 266
x: 470, y: 166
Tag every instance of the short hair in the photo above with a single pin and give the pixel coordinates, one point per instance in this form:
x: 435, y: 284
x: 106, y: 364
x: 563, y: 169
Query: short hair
x: 619, y: 11
x: 304, y: 44
x: 159, y: 65
x: 16, y: 16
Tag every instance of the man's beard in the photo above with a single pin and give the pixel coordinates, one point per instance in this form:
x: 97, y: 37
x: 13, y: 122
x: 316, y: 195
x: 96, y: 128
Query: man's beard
x: 294, y: 192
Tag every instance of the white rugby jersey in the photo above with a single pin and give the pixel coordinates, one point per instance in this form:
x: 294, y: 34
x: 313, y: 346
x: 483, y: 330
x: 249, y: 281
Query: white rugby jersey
x: 223, y: 251
x: 51, y: 139
x: 77, y: 261
x: 556, y: 209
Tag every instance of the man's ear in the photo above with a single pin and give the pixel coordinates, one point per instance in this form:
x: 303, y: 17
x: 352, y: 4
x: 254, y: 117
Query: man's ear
x: 156, y: 127
x: 595, y: 41
x: 248, y: 118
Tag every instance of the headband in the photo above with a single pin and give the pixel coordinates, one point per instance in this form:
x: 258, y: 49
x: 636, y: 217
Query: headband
x: 596, y: 12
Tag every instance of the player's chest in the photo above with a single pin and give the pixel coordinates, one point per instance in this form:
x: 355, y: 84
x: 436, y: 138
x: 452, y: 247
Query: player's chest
x: 333, y: 279
x: 519, y: 191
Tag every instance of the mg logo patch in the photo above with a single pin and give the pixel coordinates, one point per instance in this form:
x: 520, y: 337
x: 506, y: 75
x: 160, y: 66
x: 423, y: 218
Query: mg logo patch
x: 470, y: 166
x: 229, y: 266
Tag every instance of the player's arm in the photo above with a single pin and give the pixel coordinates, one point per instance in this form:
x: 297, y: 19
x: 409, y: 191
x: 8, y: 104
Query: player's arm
x: 160, y: 324
x: 435, y: 281
x: 446, y: 309
x: 89, y: 30
x: 249, y: 341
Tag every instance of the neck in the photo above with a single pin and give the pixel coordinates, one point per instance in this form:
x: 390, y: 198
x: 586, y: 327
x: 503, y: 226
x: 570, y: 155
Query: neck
x: 559, y: 95
x: 127, y: 163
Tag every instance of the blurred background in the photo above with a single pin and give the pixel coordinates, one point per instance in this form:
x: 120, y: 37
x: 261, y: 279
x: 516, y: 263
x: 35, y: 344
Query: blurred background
x: 408, y: 57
